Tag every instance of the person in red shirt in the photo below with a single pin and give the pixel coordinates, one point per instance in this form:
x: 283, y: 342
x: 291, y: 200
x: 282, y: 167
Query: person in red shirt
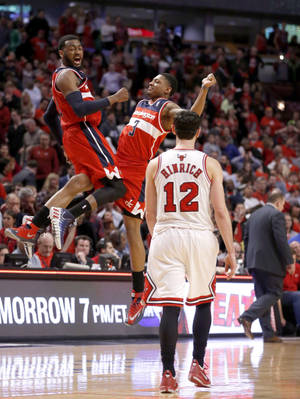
x: 4, y: 120
x: 46, y: 158
x: 291, y: 286
x: 39, y: 45
x: 261, y: 190
x: 9, y: 220
x: 270, y: 120
x: 39, y: 115
x: 44, y: 254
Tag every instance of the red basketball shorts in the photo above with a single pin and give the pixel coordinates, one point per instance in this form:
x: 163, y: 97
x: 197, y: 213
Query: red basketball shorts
x: 90, y: 153
x: 134, y: 179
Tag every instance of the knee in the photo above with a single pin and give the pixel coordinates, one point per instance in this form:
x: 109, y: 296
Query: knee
x: 79, y: 183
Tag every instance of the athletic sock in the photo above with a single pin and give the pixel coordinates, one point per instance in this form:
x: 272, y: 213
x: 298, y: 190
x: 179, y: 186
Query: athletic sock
x: 201, y: 326
x: 79, y: 209
x: 138, y: 281
x: 41, y: 219
x: 168, y: 334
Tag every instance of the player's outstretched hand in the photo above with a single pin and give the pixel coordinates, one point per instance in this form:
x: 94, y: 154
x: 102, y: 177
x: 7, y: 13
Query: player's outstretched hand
x: 121, y: 95
x: 209, y: 81
x: 230, y: 266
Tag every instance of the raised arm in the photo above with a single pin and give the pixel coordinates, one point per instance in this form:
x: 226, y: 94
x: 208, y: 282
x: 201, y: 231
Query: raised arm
x: 67, y: 83
x: 151, y: 195
x: 198, y: 106
x: 222, y: 217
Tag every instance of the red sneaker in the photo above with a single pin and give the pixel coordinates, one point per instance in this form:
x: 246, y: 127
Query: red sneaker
x: 25, y: 233
x: 198, y: 376
x: 168, y: 383
x: 136, y: 309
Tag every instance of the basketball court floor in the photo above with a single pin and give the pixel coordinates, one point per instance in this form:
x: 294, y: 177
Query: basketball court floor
x: 127, y: 369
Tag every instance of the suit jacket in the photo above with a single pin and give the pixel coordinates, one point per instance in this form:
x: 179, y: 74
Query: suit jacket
x: 266, y: 246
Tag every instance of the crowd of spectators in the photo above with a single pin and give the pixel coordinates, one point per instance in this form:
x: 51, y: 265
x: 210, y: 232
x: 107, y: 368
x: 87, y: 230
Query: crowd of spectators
x: 255, y: 140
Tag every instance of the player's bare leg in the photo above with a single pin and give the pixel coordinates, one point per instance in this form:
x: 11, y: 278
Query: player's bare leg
x: 137, y: 260
x: 76, y: 185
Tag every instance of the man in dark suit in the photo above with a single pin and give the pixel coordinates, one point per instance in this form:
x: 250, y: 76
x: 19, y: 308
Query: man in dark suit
x: 267, y: 254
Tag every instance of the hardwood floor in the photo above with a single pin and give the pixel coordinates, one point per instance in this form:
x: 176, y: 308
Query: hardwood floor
x: 127, y: 369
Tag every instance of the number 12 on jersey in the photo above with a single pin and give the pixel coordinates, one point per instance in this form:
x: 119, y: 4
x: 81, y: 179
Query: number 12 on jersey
x: 186, y: 204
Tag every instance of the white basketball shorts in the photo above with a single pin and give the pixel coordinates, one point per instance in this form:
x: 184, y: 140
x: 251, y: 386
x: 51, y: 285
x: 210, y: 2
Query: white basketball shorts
x: 177, y: 255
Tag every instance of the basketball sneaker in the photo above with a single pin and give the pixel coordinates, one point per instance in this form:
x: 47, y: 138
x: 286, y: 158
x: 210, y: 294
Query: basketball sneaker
x: 60, y: 220
x: 198, y: 376
x: 136, y: 309
x: 26, y: 233
x: 168, y: 383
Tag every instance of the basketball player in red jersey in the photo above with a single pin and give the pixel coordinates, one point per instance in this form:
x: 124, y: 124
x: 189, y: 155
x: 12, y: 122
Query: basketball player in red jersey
x: 139, y: 141
x: 84, y: 145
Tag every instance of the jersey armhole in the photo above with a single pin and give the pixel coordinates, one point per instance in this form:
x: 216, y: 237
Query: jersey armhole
x: 209, y: 180
x: 159, y: 117
x: 76, y: 73
x: 158, y: 166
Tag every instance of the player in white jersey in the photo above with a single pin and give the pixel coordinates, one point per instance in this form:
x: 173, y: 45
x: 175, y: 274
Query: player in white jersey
x: 181, y: 186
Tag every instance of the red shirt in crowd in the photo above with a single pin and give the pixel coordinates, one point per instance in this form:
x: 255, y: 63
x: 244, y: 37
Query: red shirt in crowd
x: 40, y: 48
x: 291, y: 282
x: 47, y: 161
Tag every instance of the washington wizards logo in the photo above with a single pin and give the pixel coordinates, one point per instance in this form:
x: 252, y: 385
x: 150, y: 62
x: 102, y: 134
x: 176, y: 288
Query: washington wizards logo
x: 181, y: 157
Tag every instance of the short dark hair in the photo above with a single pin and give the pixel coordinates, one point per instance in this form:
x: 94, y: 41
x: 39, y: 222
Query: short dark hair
x: 172, y: 81
x: 275, y: 195
x: 62, y: 41
x: 186, y: 124
x: 83, y: 237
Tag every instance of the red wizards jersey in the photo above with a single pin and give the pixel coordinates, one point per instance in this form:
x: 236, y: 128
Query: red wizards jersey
x: 68, y: 116
x: 142, y: 136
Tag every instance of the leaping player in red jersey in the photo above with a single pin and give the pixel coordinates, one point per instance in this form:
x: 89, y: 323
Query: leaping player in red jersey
x: 74, y: 108
x: 151, y: 121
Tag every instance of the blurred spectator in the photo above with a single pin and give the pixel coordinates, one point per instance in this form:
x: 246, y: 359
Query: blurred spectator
x: 107, y: 257
x: 261, y: 42
x: 4, y: 120
x: 251, y: 203
x: 82, y: 250
x: 37, y: 23
x: 15, y: 135
x: 108, y: 29
x: 288, y: 225
x: 9, y: 221
x: 281, y: 39
x: 121, y: 35
x: 46, y: 158
x: 270, y: 120
x: 34, y: 94
x: 26, y: 176
x: 50, y: 187
x: 238, y: 222
x: 67, y: 23
x: 27, y: 108
x: 39, y: 45
x: 111, y: 80
x: 210, y: 145
x: 27, y: 201
x: 260, y: 192
x: 44, y: 254
x: 291, y: 293
x: 3, y: 251
x: 65, y: 178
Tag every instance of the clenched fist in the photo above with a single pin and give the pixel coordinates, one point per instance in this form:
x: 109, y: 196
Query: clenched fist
x: 209, y: 81
x: 121, y: 95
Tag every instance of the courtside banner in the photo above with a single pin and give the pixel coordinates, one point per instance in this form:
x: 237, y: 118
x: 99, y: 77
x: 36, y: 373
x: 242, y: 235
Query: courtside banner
x: 75, y: 309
